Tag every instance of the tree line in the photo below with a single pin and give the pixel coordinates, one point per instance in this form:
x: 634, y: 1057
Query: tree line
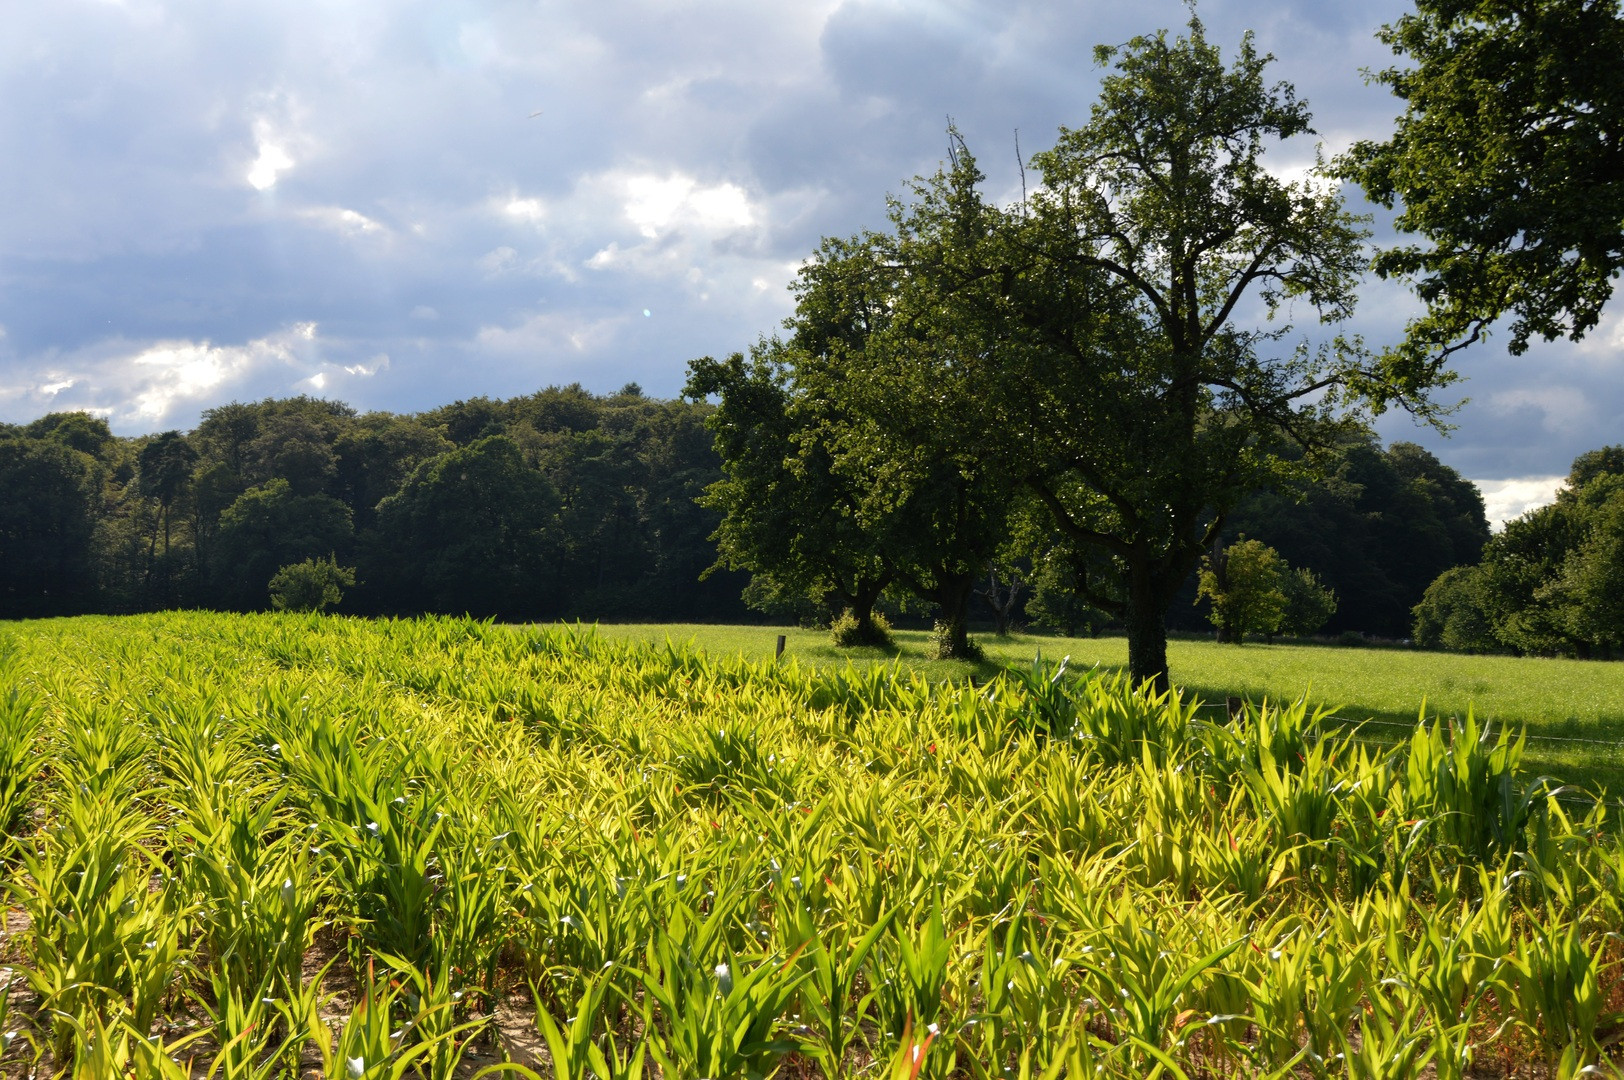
x: 559, y: 504
x: 1551, y: 584
x: 565, y: 504
x: 1085, y: 394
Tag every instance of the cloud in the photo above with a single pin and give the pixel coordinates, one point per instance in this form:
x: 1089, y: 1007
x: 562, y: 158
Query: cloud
x: 490, y: 196
x: 145, y: 387
x: 271, y: 161
x: 656, y: 204
x: 548, y: 334
x: 1559, y: 407
x: 1504, y: 500
x: 344, y: 221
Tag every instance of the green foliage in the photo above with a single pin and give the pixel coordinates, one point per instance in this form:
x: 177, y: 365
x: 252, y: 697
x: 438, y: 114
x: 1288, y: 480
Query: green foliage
x: 894, y: 379
x: 313, y: 585
x: 972, y: 355
x: 20, y: 723
x: 1455, y: 613
x: 1309, y: 604
x: 1057, y: 602
x: 269, y: 527
x: 47, y: 527
x: 195, y: 519
x: 80, y: 431
x: 1505, y: 162
x: 1145, y: 460
x: 1377, y: 530
x: 785, y: 509
x: 469, y: 528
x: 1246, y: 584
x: 105, y: 946
x: 1550, y: 584
x: 849, y: 630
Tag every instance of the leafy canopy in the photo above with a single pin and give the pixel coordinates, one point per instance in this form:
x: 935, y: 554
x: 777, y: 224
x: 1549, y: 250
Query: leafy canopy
x: 1508, y: 163
x: 1160, y: 385
x: 312, y: 585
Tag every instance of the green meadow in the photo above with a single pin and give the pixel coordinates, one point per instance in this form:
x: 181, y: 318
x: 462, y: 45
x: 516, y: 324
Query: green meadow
x: 1552, y: 699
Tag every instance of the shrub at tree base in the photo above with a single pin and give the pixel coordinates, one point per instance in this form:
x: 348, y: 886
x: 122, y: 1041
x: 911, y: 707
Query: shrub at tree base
x: 312, y: 585
x: 944, y: 647
x: 848, y: 631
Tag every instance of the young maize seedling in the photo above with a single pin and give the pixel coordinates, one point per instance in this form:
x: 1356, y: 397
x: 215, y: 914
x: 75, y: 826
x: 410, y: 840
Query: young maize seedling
x: 909, y: 971
x: 830, y: 992
x: 102, y: 946
x: 21, y: 725
x: 720, y: 1021
x: 577, y: 1048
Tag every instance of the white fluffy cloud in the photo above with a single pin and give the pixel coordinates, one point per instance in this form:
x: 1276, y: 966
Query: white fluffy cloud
x: 161, y: 383
x: 1504, y: 500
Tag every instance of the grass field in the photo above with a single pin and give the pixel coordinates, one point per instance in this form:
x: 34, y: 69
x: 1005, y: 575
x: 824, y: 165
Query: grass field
x: 1554, y: 699
x: 271, y: 847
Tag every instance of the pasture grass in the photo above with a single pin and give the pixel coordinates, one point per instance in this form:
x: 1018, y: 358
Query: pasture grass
x: 1388, y: 689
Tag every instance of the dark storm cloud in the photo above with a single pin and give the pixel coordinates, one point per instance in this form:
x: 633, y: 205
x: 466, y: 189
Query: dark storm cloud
x: 403, y: 203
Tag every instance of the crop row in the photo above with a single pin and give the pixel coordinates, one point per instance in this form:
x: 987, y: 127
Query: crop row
x: 255, y: 846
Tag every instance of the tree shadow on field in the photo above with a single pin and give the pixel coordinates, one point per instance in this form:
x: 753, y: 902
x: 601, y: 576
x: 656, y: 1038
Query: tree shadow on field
x: 1586, y: 756
x: 1594, y: 764
x: 909, y: 648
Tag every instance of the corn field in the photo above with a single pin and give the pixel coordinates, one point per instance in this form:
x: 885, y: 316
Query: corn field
x: 283, y: 846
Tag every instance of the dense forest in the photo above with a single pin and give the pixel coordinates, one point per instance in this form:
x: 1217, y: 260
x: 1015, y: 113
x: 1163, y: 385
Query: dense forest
x: 560, y: 504
x: 1551, y: 584
x: 566, y: 504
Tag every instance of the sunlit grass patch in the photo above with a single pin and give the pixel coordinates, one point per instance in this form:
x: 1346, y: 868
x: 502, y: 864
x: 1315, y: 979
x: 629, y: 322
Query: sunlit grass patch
x: 1553, y: 699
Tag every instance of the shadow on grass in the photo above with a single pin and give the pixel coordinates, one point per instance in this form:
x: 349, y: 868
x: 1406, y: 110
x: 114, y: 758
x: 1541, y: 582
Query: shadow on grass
x: 828, y: 652
x: 1594, y: 764
x: 1566, y: 751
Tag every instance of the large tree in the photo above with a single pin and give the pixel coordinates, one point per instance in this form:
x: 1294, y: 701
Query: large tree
x: 1151, y: 275
x: 164, y: 473
x: 267, y: 527
x: 468, y: 532
x: 788, y: 517
x: 1508, y: 163
x: 1111, y: 344
x: 47, y: 527
x: 895, y: 349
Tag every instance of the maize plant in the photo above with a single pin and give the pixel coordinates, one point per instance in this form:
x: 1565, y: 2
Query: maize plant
x: 261, y: 845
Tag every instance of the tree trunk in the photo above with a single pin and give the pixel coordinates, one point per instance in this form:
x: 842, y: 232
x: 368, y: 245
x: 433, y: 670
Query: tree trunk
x: 953, y: 623
x: 865, y: 595
x: 169, y: 599
x: 1147, y: 628
x: 152, y: 559
x: 1002, y: 602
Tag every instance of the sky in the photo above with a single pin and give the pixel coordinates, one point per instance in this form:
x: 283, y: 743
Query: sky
x: 402, y: 203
